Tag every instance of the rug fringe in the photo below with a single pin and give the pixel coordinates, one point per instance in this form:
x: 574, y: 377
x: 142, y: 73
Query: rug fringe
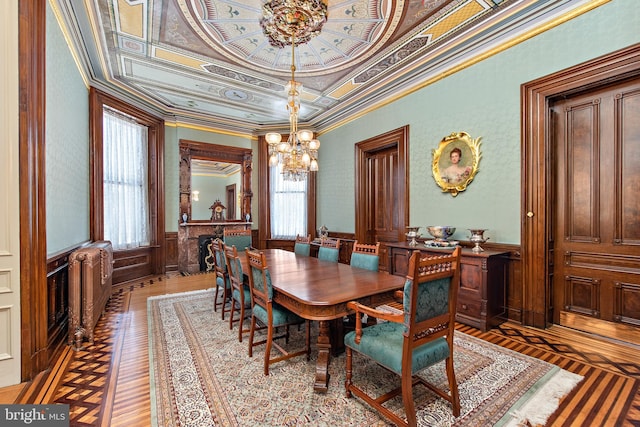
x: 544, y: 401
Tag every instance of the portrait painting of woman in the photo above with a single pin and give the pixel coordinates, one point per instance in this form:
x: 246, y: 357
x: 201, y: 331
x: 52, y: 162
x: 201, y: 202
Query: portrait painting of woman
x: 458, y: 171
x: 455, y: 162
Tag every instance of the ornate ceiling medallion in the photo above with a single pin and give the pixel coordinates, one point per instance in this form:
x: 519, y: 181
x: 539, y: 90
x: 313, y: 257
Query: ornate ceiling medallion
x: 284, y: 21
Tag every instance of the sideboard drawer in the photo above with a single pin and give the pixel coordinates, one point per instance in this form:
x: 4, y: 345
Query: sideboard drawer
x: 469, y: 307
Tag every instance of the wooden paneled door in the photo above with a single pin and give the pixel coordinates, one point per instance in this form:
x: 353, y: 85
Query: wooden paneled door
x: 596, y: 226
x: 382, y: 190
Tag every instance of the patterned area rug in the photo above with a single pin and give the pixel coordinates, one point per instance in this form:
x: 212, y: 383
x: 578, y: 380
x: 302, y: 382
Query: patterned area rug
x: 202, y: 376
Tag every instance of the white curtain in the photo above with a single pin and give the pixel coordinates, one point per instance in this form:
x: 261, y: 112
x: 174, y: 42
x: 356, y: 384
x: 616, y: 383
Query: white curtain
x: 125, y: 181
x: 288, y: 206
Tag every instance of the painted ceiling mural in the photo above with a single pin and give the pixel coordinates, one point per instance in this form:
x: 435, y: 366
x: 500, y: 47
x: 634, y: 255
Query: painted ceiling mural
x: 208, y: 62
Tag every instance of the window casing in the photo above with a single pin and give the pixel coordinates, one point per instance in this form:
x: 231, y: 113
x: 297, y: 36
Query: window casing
x: 264, y: 219
x: 129, y: 264
x: 125, y: 181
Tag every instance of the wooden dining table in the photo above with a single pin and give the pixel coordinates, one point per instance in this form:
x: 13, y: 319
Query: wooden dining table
x: 320, y: 290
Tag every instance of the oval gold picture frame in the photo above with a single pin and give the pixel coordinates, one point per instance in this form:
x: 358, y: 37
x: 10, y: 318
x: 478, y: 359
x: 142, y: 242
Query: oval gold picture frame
x: 455, y: 162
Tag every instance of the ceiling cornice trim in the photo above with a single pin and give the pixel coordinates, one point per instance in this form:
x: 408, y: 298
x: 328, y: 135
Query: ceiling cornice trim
x: 178, y: 124
x: 379, y: 103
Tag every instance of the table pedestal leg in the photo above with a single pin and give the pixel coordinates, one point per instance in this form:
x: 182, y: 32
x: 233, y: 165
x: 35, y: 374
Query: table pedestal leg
x: 324, y: 357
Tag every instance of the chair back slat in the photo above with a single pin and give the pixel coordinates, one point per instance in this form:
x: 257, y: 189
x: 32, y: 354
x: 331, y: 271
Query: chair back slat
x: 365, y: 248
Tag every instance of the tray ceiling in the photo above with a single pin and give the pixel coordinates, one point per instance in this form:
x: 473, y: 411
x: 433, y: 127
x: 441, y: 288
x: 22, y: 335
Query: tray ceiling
x: 206, y: 62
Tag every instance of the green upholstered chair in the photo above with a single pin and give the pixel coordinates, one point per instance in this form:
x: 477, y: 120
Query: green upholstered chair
x: 269, y: 313
x: 420, y: 336
x: 240, y: 293
x: 223, y: 283
x: 329, y: 250
x: 302, y: 245
x: 365, y: 256
x: 238, y: 237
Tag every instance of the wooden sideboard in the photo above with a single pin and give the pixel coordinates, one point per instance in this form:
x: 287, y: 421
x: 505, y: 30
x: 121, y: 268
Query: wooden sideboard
x: 482, y: 298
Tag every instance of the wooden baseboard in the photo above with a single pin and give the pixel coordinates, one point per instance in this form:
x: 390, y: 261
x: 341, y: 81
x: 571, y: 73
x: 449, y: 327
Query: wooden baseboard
x: 607, y: 330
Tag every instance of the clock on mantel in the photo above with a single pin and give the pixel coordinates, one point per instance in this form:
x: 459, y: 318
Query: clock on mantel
x: 217, y: 211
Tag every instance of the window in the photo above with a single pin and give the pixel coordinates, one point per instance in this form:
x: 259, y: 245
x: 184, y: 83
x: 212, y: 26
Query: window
x: 125, y: 181
x: 288, y: 209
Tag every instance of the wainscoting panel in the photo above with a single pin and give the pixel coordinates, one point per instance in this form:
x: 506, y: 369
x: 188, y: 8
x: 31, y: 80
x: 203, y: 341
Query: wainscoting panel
x: 171, y: 252
x: 57, y: 302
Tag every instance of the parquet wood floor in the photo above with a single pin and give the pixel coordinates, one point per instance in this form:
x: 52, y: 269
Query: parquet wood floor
x: 107, y: 383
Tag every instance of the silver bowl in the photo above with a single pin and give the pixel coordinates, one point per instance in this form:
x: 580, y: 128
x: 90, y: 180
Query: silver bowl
x: 441, y: 232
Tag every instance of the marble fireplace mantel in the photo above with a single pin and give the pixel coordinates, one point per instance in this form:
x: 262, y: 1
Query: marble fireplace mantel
x: 188, y: 241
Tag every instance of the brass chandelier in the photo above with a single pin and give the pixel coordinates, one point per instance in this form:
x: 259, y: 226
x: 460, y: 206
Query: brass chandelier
x: 293, y: 22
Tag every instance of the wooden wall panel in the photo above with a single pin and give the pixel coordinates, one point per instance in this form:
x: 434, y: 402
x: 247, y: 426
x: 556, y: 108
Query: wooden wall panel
x: 58, y: 302
x: 582, y: 178
x: 133, y: 264
x: 627, y: 209
x: 171, y: 251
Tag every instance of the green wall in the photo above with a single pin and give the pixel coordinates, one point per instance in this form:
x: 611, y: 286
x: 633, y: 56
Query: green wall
x: 67, y: 144
x: 483, y: 100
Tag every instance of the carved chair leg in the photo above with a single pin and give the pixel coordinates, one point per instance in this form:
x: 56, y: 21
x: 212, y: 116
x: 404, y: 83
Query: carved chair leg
x: 231, y: 311
x: 251, y: 333
x: 407, y: 399
x: 347, y: 383
x: 453, y: 386
x: 215, y: 299
x: 267, y: 350
x: 241, y: 322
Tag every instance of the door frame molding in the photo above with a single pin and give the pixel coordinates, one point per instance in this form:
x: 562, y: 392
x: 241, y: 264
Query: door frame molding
x: 400, y: 138
x: 537, y: 169
x: 33, y: 237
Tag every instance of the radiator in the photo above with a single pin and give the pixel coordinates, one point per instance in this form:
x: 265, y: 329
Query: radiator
x: 90, y: 280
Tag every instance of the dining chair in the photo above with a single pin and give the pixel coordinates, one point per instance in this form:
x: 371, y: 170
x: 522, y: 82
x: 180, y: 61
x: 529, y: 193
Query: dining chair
x: 302, y: 245
x: 269, y: 313
x: 418, y: 337
x: 238, y: 237
x: 329, y: 250
x: 223, y: 283
x: 240, y: 293
x: 365, y: 256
